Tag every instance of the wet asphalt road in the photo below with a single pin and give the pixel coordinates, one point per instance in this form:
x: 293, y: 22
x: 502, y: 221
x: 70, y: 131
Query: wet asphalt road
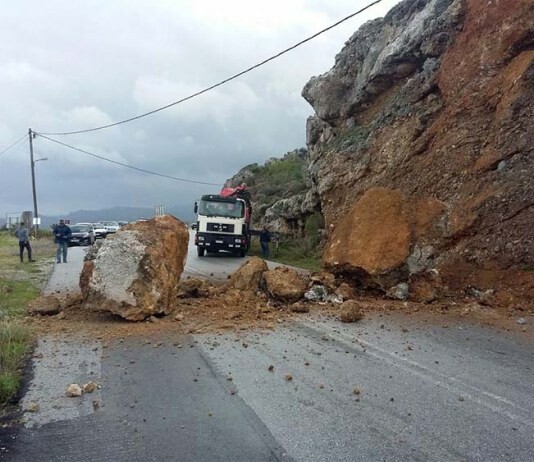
x: 214, y: 266
x: 424, y: 392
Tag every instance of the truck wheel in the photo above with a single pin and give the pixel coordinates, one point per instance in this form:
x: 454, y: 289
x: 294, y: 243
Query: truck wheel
x: 200, y: 251
x: 242, y: 253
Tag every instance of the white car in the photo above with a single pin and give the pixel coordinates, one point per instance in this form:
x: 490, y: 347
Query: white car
x: 111, y: 226
x: 100, y: 230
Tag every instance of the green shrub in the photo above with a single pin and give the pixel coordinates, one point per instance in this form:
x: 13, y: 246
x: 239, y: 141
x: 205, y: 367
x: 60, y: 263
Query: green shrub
x: 276, y: 179
x: 291, y: 251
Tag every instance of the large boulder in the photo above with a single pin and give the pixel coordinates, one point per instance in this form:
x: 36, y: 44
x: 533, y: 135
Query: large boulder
x: 375, y: 239
x: 136, y: 272
x: 248, y: 275
x: 285, y: 284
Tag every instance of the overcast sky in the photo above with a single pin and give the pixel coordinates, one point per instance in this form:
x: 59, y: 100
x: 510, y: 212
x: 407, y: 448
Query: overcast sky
x: 68, y: 65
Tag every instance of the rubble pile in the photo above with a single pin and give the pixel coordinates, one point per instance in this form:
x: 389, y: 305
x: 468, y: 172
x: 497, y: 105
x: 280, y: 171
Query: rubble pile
x: 259, y: 296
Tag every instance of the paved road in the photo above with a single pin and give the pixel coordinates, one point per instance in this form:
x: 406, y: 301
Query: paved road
x: 214, y: 266
x: 424, y: 392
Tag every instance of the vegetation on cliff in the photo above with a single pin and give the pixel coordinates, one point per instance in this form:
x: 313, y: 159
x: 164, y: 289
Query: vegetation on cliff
x: 275, y: 180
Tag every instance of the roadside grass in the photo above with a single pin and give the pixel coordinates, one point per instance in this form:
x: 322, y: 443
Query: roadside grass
x: 15, y: 339
x: 14, y: 296
x: 19, y: 284
x: 293, y: 252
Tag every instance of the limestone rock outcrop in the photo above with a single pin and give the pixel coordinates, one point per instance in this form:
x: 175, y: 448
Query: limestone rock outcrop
x: 136, y: 271
x: 421, y: 148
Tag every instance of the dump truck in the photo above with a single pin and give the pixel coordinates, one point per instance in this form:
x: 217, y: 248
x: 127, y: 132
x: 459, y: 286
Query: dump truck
x: 223, y: 222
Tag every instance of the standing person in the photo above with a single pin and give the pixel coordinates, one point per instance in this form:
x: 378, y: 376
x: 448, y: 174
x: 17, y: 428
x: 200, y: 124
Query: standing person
x: 265, y: 238
x: 61, y: 237
x: 23, y: 234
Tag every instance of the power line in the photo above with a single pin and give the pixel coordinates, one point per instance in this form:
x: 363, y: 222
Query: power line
x: 14, y: 144
x: 126, y: 165
x: 235, y: 76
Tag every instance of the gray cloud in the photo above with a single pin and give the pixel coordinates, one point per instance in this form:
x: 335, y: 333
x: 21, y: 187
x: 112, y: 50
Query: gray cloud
x: 73, y: 65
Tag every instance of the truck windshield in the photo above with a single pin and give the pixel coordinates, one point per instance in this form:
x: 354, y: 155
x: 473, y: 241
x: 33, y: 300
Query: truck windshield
x: 221, y: 209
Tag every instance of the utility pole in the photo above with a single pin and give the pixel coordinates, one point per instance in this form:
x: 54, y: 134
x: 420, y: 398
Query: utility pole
x: 35, y: 213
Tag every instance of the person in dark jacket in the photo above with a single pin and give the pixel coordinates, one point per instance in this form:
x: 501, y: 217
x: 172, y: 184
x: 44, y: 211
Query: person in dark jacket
x: 23, y: 234
x: 62, y: 233
x: 265, y: 238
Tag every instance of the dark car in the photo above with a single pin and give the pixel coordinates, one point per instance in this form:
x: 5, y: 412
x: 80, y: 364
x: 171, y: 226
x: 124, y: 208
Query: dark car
x: 82, y: 235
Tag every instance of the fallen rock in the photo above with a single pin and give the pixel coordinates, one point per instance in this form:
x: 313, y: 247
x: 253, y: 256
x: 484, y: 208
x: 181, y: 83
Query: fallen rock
x: 324, y: 278
x: 89, y: 387
x: 248, y: 275
x: 351, y: 311
x: 73, y: 390
x: 47, y: 306
x: 374, y: 239
x: 345, y: 291
x: 284, y: 284
x: 135, y: 273
x: 333, y: 298
x: 92, y: 251
x: 319, y: 293
x: 33, y: 407
x: 425, y: 287
x: 399, y: 292
x: 316, y: 294
x: 485, y: 297
x: 194, y: 287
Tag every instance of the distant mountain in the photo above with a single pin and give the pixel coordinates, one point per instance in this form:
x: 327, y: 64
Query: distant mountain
x: 119, y: 213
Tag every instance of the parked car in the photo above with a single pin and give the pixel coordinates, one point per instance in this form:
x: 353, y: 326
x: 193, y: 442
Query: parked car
x: 82, y: 234
x: 111, y: 226
x: 100, y: 230
x: 122, y: 223
x: 84, y: 224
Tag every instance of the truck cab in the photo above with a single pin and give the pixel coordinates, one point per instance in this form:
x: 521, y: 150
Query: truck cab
x: 222, y: 224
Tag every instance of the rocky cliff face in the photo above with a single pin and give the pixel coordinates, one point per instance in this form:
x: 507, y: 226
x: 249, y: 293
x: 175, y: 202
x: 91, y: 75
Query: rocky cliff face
x: 421, y: 149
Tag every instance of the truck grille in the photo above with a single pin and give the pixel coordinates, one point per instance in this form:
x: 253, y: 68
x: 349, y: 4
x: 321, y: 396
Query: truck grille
x: 220, y: 227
